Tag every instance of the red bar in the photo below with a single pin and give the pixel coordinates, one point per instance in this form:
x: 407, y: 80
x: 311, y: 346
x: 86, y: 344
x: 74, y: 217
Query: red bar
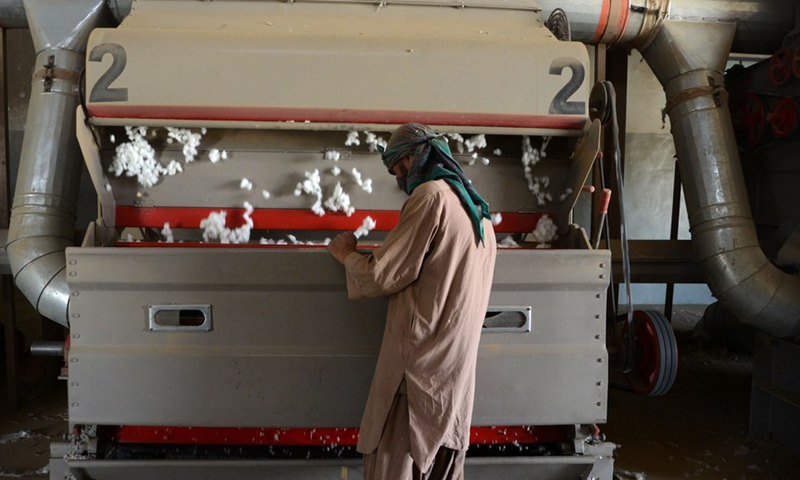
x: 321, y: 115
x: 315, y: 436
x: 264, y: 219
x: 288, y: 219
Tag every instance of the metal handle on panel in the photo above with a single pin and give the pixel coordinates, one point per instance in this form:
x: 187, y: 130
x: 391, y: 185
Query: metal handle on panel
x: 507, y: 320
x: 181, y: 318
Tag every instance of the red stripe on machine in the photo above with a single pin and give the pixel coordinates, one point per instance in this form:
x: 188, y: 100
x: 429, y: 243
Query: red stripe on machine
x: 315, y: 436
x: 321, y: 115
x: 288, y: 219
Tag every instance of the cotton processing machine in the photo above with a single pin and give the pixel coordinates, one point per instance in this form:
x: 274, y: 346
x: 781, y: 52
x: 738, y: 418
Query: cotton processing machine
x: 210, y: 331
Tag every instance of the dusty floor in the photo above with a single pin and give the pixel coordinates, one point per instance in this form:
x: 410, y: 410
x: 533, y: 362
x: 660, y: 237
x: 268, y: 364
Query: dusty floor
x: 698, y: 430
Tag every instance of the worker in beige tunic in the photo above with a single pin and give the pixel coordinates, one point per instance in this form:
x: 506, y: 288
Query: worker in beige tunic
x: 436, y: 266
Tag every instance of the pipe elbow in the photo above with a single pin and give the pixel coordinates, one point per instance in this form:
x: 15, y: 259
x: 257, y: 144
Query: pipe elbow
x: 37, y: 238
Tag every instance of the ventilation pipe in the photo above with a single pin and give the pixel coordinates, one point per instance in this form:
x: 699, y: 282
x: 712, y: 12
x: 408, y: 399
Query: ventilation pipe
x: 42, y: 221
x: 688, y: 59
x: 686, y: 43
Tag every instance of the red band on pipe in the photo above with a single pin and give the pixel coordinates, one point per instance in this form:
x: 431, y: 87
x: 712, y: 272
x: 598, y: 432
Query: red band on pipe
x: 622, y: 22
x: 602, y: 22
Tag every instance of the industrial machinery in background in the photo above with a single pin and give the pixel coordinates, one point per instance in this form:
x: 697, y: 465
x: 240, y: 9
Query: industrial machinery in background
x: 764, y: 108
x: 209, y: 329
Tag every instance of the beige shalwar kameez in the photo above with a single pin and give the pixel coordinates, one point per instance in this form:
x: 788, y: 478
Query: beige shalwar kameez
x: 438, y: 279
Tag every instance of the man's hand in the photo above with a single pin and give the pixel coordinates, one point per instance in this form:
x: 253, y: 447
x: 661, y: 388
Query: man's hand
x: 343, y: 245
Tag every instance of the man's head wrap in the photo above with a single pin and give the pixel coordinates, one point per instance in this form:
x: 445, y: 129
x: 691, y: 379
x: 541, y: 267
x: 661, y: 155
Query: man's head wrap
x: 432, y: 160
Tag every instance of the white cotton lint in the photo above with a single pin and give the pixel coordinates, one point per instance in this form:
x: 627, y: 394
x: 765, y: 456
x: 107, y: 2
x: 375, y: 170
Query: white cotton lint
x: 497, y: 152
x: 485, y: 161
x: 214, y: 227
x: 332, y: 155
x: 458, y: 139
x: 112, y: 138
x: 214, y: 155
x: 136, y: 158
x: 566, y: 194
x: 508, y: 242
x: 246, y: 184
x: 373, y: 141
x: 265, y: 194
x: 497, y: 218
x: 339, y: 201
x: 174, y: 168
x: 352, y: 139
x: 546, y: 230
x: 335, y: 171
x: 190, y: 141
x: 166, y: 232
x: 203, y: 130
x: 108, y: 187
x: 367, y: 185
x: 475, y: 141
x: 311, y: 186
x: 224, y: 155
x: 366, y: 226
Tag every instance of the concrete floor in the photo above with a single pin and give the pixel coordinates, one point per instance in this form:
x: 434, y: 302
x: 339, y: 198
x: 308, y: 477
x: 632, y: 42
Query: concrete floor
x: 698, y: 430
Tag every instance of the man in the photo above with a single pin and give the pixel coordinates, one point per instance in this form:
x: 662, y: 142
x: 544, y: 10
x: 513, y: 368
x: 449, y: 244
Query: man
x: 436, y: 266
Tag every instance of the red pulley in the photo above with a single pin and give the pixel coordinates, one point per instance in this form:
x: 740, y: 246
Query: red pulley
x: 780, y: 67
x: 783, y: 118
x: 655, y: 353
x: 749, y: 120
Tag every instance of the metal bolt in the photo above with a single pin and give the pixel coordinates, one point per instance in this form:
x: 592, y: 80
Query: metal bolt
x: 75, y: 404
x: 602, y: 275
x: 75, y: 294
x: 597, y: 316
x: 73, y: 359
x: 599, y: 360
x: 599, y: 384
x: 599, y: 295
x: 73, y: 262
x: 77, y: 335
x: 76, y: 315
x: 72, y: 274
x: 602, y: 265
x: 597, y: 337
x: 74, y: 384
x: 599, y: 404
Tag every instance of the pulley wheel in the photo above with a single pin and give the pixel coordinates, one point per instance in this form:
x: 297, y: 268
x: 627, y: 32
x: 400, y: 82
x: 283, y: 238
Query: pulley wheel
x: 655, y: 355
x: 750, y: 120
x: 780, y: 66
x: 600, y: 99
x: 783, y: 118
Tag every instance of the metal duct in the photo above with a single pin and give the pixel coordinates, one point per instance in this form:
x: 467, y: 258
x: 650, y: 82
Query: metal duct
x: 688, y: 58
x: 686, y: 43
x: 42, y: 221
x: 760, y: 25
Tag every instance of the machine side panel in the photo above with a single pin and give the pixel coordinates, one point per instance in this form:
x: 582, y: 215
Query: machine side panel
x: 286, y: 348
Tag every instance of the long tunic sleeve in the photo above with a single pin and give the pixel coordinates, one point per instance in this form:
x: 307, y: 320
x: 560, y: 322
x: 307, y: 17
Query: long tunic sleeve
x: 438, y: 279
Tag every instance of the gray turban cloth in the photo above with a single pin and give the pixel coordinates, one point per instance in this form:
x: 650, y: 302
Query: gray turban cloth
x: 432, y: 160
